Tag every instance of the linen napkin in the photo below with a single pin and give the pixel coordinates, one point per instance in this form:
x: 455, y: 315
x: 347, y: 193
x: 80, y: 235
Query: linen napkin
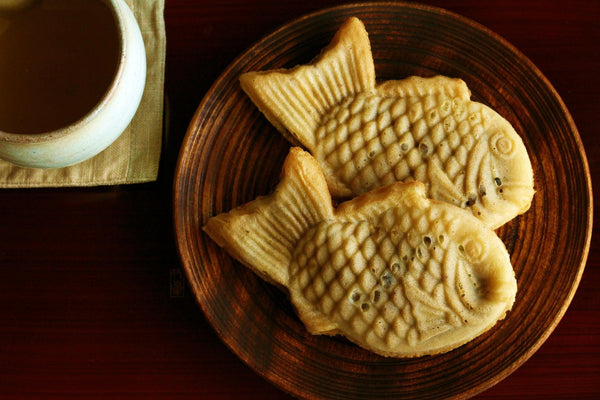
x: 134, y: 157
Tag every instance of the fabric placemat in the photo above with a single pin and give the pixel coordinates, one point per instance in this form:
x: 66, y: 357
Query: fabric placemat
x: 134, y: 157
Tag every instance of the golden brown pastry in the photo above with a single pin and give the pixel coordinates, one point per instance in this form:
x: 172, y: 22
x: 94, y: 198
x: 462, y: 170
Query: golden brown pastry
x: 367, y: 135
x: 394, y: 272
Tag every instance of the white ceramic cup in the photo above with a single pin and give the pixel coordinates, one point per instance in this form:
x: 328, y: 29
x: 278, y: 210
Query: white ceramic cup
x: 103, y: 124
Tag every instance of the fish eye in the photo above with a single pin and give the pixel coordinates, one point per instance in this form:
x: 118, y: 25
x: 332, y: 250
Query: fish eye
x: 474, y: 249
x: 502, y: 144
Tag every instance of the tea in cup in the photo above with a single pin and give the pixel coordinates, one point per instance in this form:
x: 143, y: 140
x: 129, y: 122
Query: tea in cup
x: 71, y: 78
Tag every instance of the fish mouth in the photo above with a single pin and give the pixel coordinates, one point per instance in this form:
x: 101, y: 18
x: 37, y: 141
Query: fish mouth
x: 490, y: 278
x: 499, y: 184
x: 497, y: 284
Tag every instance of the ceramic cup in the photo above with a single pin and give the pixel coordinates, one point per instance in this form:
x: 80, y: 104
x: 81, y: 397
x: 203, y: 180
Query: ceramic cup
x: 105, y: 121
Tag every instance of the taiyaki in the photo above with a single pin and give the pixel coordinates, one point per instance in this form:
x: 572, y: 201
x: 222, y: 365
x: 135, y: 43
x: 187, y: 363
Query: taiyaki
x: 391, y: 270
x: 367, y: 135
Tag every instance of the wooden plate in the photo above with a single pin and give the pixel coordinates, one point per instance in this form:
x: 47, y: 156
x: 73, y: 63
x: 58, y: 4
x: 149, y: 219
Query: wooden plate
x: 231, y: 154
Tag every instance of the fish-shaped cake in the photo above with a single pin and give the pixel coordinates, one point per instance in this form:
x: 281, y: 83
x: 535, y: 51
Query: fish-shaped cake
x: 367, y: 135
x: 391, y: 270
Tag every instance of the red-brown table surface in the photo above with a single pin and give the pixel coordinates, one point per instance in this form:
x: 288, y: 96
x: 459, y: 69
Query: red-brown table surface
x: 93, y: 301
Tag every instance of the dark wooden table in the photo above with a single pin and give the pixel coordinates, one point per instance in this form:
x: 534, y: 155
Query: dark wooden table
x: 93, y: 301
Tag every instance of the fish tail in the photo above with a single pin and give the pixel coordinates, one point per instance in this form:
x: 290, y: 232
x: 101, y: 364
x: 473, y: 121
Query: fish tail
x: 263, y: 233
x: 295, y: 100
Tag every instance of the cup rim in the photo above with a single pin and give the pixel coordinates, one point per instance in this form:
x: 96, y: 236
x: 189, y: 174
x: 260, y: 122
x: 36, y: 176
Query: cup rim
x: 10, y: 137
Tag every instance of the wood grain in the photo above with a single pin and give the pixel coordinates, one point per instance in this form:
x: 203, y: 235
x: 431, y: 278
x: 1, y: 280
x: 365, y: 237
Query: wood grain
x: 231, y: 155
x: 94, y: 303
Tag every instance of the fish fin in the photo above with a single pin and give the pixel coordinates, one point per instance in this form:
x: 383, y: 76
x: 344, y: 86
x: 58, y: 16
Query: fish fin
x: 262, y: 234
x: 441, y: 186
x: 295, y: 100
x: 376, y: 202
x: 315, y: 321
x: 419, y: 86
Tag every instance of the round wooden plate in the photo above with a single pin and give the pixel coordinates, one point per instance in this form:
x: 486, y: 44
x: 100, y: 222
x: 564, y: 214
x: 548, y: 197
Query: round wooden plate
x: 231, y: 154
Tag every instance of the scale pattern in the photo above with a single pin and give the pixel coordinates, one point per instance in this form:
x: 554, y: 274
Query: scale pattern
x: 393, y: 271
x: 370, y: 141
x: 368, y: 134
x: 395, y: 282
